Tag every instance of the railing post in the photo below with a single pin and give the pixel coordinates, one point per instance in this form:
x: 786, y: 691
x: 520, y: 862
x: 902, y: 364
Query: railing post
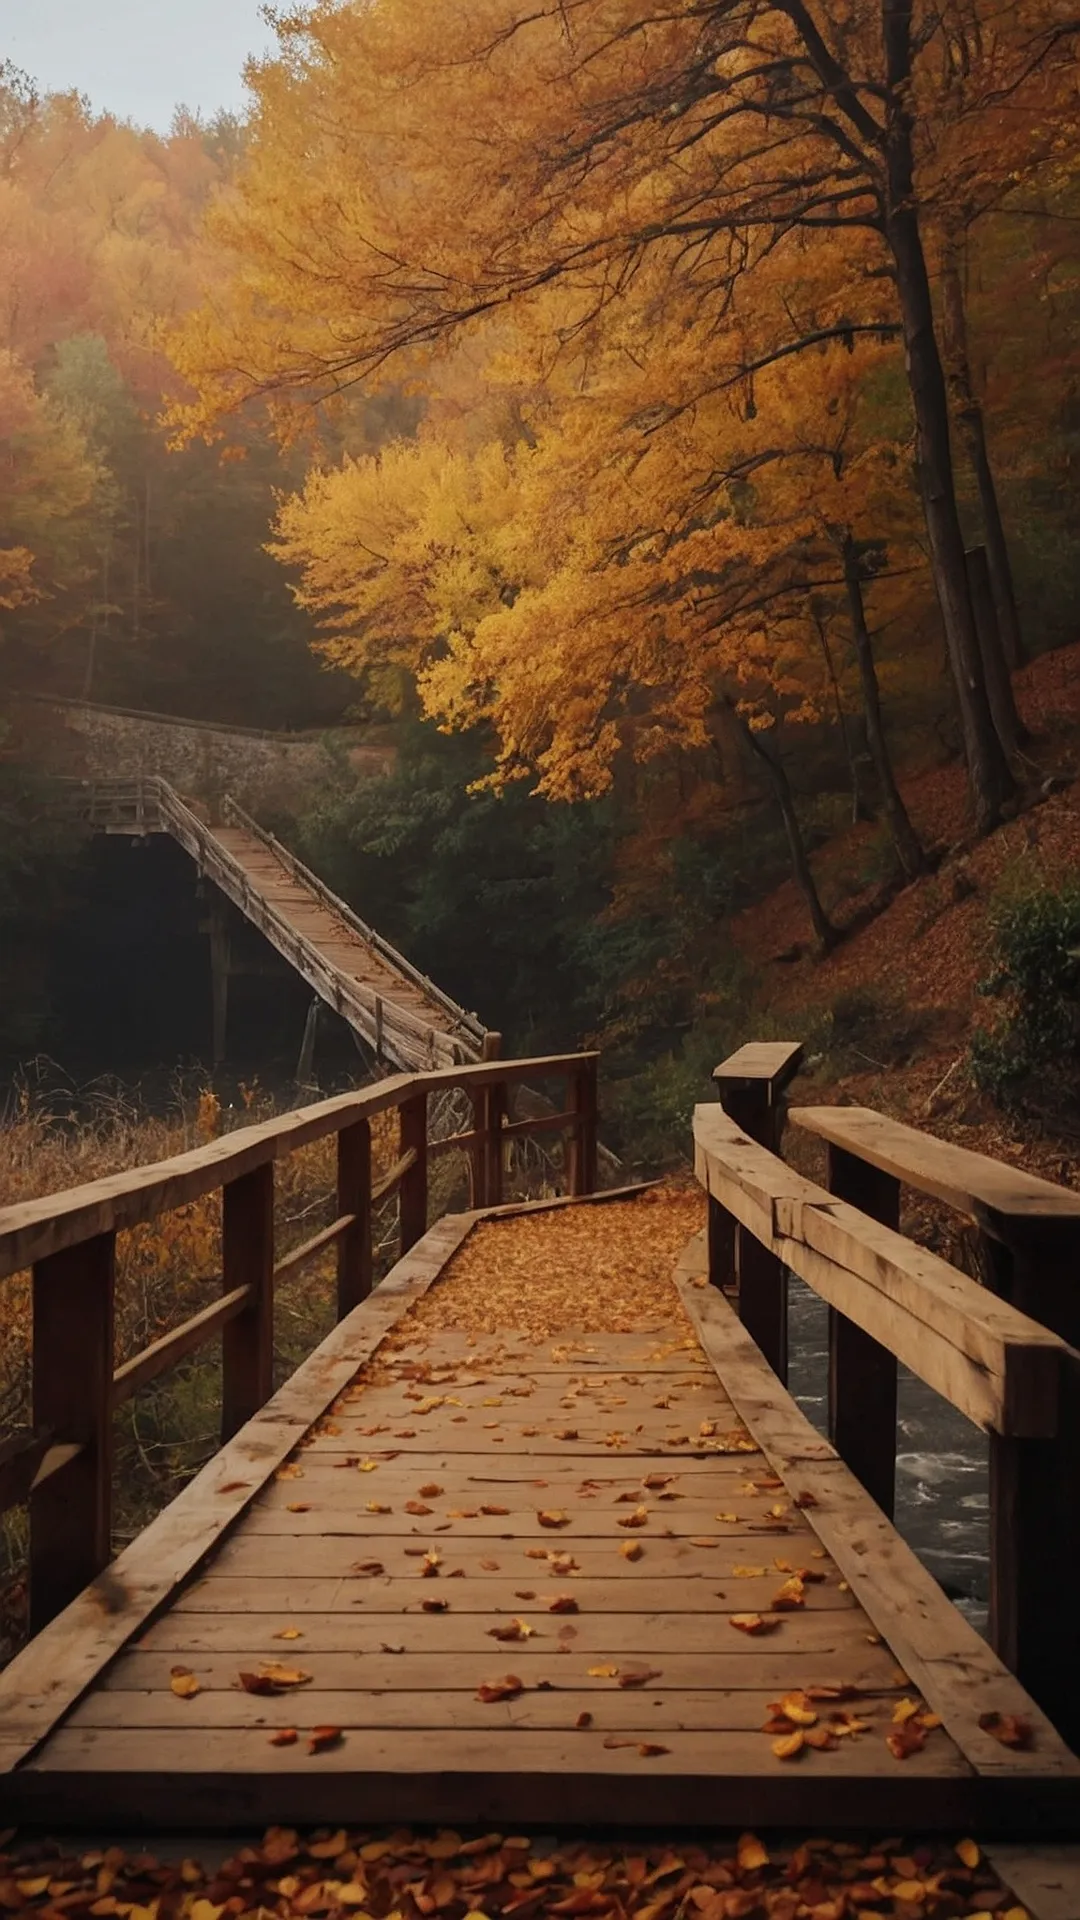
x: 1034, y: 1505
x: 354, y: 1196
x: 71, y: 1513
x: 412, y: 1192
x: 584, y: 1101
x: 488, y: 1106
x: 750, y: 1086
x: 247, y: 1251
x: 862, y: 1373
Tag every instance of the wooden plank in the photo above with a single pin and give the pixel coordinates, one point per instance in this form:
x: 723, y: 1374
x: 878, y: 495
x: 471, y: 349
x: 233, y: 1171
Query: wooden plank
x: 1001, y: 1199
x: 995, y: 1364
x: 71, y: 1512
x: 247, y: 1256
x: 1044, y: 1877
x: 582, y: 1145
x: 298, y: 1257
x: 949, y: 1663
x: 774, y: 1061
x: 27, y: 1460
x: 44, y: 1680
x: 664, y: 1711
x: 192, y: 1334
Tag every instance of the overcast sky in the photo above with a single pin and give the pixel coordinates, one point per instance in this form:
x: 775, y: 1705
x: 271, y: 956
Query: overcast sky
x: 137, y: 59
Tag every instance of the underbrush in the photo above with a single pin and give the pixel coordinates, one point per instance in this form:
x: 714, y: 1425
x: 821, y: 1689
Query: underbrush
x: 1028, y: 1058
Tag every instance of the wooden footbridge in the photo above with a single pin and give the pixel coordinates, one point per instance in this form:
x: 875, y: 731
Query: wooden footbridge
x: 458, y: 1570
x: 402, y: 1016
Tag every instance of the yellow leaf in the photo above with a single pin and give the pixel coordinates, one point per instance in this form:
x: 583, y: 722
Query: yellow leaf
x: 904, y: 1710
x: 749, y: 1573
x: 602, y: 1673
x: 183, y: 1683
x: 288, y: 1633
x: 969, y: 1853
x: 367, y: 1466
x: 631, y: 1549
x: 789, y: 1746
x: 750, y: 1853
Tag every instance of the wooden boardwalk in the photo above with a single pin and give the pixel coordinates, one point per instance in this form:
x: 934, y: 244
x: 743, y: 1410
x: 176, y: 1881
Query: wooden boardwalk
x: 516, y: 1575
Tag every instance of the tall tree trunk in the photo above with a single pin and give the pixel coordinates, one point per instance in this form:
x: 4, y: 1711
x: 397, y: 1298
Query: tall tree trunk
x: 909, y: 848
x: 860, y: 809
x: 1010, y: 728
x: 988, y: 769
x: 825, y: 933
x: 972, y: 425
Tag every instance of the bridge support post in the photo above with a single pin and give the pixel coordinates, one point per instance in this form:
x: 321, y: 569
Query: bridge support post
x: 247, y: 1343
x: 489, y: 1104
x: 582, y: 1155
x: 413, y: 1189
x: 1034, y: 1506
x: 354, y: 1197
x: 750, y: 1086
x: 71, y: 1513
x: 862, y: 1373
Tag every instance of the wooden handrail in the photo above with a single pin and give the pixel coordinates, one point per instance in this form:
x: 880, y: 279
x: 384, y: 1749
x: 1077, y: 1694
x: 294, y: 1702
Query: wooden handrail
x: 1005, y: 1353
x: 64, y: 1464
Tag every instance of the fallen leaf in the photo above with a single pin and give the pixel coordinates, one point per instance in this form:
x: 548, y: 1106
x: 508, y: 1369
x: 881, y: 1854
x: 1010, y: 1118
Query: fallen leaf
x: 284, y: 1737
x: 321, y: 1738
x: 237, y: 1486
x: 385, y: 1647
x: 798, y: 1710
x: 603, y: 1672
x: 288, y: 1633
x: 903, y: 1741
x: 506, y: 1689
x: 750, y: 1853
x: 368, y: 1569
x: 499, y: 1511
x: 1011, y: 1729
x: 789, y: 1596
x: 417, y: 1507
x: 513, y: 1630
x: 563, y: 1603
x: 639, y: 1677
x: 754, y: 1623
x: 648, y: 1749
x: 553, y: 1517
x: 298, y: 1506
x: 790, y: 1745
x: 435, y: 1606
x: 904, y: 1710
x: 631, y: 1549
x: 704, y: 1543
x: 729, y: 1519
x: 749, y: 1573
x: 183, y: 1683
x: 378, y: 1506
x: 806, y: 1499
x: 969, y: 1853
x: 431, y: 1491
x: 367, y: 1466
x: 639, y: 1518
x: 274, y: 1678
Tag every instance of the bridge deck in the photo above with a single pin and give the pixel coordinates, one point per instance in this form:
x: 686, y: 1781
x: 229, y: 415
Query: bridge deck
x: 511, y: 1572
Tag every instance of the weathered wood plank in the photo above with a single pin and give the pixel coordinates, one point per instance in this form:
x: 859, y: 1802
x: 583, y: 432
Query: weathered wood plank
x: 71, y: 1511
x: 947, y: 1660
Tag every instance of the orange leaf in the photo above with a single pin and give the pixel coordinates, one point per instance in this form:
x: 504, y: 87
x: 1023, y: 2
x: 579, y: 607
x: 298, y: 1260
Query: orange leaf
x: 514, y: 1630
x: 553, y: 1517
x: 750, y: 1853
x: 790, y: 1745
x: 320, y: 1738
x: 649, y: 1748
x: 435, y: 1606
x: 631, y: 1549
x: 563, y: 1603
x: 490, y: 1510
x: 584, y: 1720
x: 754, y: 1623
x: 416, y: 1507
x: 505, y: 1689
x: 284, y: 1737
x: 639, y: 1677
x: 1012, y: 1729
x: 639, y: 1518
x: 431, y: 1491
x: 183, y: 1683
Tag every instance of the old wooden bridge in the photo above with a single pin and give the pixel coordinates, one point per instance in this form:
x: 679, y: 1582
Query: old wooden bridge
x: 609, y: 1578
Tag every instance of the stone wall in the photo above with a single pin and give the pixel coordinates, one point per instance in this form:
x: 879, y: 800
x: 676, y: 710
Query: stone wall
x: 202, y: 760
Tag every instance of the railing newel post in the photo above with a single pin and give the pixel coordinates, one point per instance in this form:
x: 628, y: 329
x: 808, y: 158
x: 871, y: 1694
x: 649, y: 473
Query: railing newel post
x: 73, y: 1332
x: 488, y: 1106
x: 247, y: 1256
x: 584, y: 1102
x: 752, y: 1096
x: 862, y: 1373
x: 354, y: 1263
x: 413, y: 1193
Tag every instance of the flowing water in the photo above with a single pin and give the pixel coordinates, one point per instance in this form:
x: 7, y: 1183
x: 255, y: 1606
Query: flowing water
x: 942, y: 1496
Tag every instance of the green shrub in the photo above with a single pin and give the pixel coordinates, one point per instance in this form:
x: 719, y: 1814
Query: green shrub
x: 1036, y: 977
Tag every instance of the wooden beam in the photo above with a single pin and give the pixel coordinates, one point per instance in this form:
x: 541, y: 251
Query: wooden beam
x: 247, y: 1250
x: 582, y: 1143
x: 175, y: 1346
x: 27, y: 1460
x: 299, y: 1256
x: 993, y: 1363
x: 35, y: 1228
x: 862, y: 1372
x: 414, y: 1188
x: 750, y: 1086
x: 354, y: 1258
x: 393, y: 1177
x: 71, y: 1512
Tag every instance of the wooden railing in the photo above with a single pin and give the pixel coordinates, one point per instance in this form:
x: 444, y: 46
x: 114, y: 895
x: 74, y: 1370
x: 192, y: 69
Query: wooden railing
x: 63, y: 1464
x: 1015, y: 1373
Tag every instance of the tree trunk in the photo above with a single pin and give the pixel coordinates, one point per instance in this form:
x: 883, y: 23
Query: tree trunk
x: 990, y: 780
x: 1010, y: 728
x: 909, y: 848
x: 860, y: 808
x: 826, y: 934
x: 972, y: 425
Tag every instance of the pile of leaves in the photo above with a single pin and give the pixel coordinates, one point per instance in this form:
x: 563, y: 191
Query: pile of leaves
x: 409, y: 1875
x: 598, y: 1269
